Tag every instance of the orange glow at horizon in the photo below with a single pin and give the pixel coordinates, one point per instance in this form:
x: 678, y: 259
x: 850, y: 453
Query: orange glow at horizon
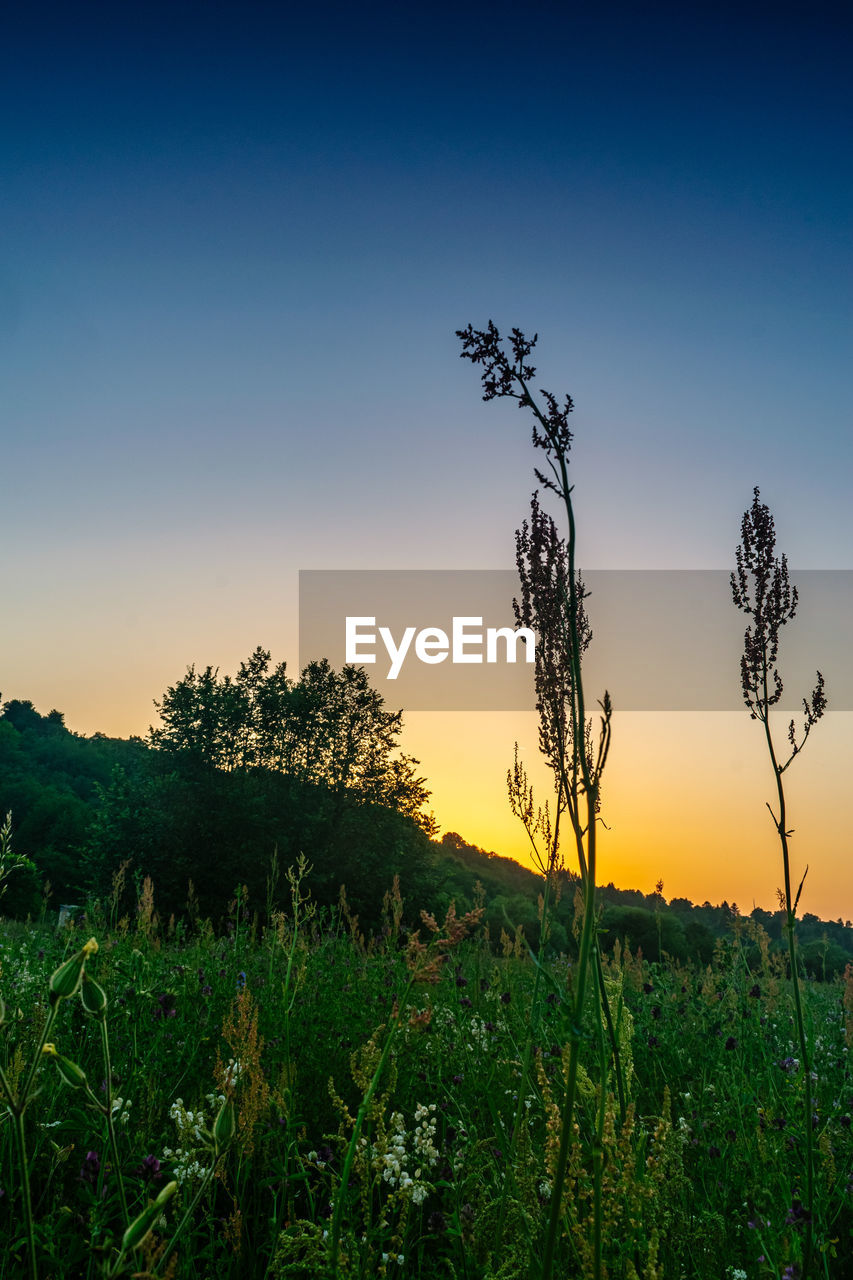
x: 683, y: 796
x: 683, y: 799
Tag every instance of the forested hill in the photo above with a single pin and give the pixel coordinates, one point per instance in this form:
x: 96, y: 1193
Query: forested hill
x: 198, y: 802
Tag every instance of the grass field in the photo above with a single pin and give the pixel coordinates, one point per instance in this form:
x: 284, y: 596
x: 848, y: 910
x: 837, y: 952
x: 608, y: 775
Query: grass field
x: 393, y: 1106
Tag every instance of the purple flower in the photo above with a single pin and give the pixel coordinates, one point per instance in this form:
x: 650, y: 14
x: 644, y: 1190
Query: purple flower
x: 149, y: 1169
x: 167, y: 1006
x: 241, y: 981
x: 90, y: 1168
x: 731, y: 1043
x: 797, y: 1213
x: 505, y: 997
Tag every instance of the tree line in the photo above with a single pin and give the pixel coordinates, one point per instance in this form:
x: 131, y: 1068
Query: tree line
x: 241, y: 769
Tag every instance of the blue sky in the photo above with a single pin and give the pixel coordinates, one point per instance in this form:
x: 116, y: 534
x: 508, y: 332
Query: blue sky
x: 235, y: 243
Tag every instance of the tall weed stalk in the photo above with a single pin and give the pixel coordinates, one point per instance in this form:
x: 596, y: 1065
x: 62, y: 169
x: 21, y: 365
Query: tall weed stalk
x: 551, y: 604
x: 762, y: 590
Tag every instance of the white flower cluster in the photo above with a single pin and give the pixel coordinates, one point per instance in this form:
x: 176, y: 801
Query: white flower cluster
x: 479, y: 1035
x: 233, y: 1072
x: 121, y: 1110
x: 193, y: 1138
x: 393, y: 1163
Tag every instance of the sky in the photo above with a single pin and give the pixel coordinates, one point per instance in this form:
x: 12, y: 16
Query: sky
x: 235, y: 244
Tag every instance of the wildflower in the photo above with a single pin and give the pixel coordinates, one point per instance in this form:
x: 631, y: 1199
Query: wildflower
x: 436, y: 1221
x: 797, y: 1213
x: 505, y: 997
x: 65, y: 981
x: 241, y: 980
x: 149, y: 1169
x: 755, y: 991
x: 90, y: 1168
x: 141, y: 1226
x: 648, y: 988
x: 93, y: 997
x: 232, y: 1073
x: 731, y: 1043
x: 121, y: 1110
x: 167, y: 1006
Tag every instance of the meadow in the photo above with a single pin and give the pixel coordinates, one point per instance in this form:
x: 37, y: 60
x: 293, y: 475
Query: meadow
x: 432, y: 1094
x: 398, y: 1096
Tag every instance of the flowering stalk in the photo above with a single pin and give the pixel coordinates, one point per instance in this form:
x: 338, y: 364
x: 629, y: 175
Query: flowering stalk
x: 551, y: 603
x: 762, y: 590
x: 425, y: 962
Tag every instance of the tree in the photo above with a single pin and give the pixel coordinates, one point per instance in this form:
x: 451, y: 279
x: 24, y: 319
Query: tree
x: 328, y: 728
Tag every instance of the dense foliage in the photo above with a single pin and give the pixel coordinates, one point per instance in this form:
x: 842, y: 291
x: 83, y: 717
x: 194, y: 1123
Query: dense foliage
x: 84, y: 806
x: 290, y: 1015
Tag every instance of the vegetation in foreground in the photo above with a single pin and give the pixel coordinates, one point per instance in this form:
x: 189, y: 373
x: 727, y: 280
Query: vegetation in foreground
x: 375, y: 1088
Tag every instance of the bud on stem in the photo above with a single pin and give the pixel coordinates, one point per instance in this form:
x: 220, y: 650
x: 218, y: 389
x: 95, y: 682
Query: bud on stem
x: 65, y: 980
x: 141, y: 1226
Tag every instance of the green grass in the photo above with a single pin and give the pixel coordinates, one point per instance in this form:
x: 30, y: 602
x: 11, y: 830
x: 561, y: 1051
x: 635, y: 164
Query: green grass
x: 702, y: 1180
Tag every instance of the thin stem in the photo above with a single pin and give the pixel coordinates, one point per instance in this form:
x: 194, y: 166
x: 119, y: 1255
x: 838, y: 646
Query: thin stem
x: 21, y: 1152
x: 525, y: 1065
x: 611, y: 1034
x: 567, y: 1121
x: 790, y: 929
x: 172, y: 1245
x: 105, y: 1043
x: 356, y: 1133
